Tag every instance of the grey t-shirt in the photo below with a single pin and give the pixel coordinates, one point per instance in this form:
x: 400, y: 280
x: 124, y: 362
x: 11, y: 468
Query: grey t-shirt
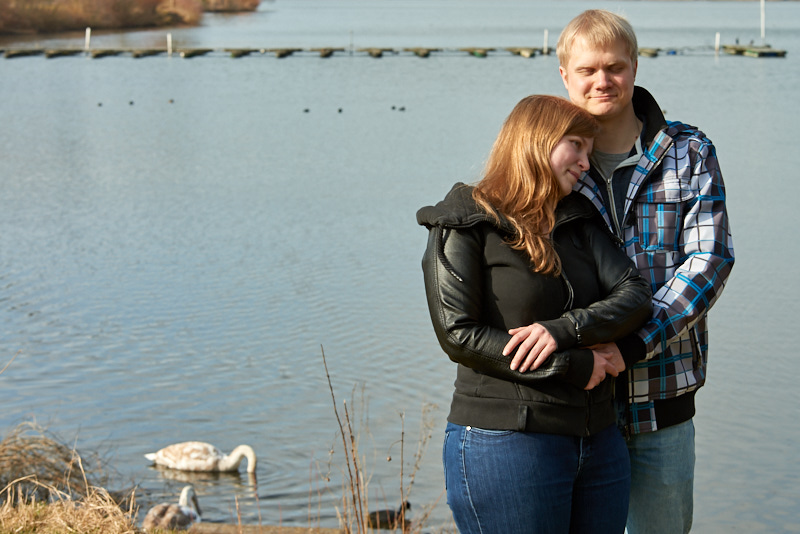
x: 605, y: 164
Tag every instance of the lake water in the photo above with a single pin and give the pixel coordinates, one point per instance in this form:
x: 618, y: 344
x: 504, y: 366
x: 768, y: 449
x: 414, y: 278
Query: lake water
x: 180, y: 239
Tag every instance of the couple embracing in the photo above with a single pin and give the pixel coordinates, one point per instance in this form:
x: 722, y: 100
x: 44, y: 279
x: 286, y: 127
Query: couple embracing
x: 571, y: 286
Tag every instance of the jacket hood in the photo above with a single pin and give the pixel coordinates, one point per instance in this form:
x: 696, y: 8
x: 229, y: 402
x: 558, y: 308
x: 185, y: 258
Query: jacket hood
x: 459, y: 210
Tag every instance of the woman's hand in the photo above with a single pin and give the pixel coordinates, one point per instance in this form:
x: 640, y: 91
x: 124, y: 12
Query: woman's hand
x: 607, y: 361
x: 535, y: 345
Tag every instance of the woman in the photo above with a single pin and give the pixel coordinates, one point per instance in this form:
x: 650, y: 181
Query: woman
x: 521, y: 279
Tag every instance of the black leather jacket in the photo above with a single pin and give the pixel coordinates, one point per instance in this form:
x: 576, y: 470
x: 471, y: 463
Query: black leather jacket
x: 478, y: 288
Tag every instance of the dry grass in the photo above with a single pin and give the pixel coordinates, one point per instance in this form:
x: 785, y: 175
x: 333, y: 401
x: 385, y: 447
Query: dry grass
x: 34, y: 463
x: 48, y: 488
x: 96, y: 511
x: 44, y: 16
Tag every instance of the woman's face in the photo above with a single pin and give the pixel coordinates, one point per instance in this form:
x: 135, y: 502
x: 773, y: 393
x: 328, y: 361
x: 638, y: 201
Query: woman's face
x: 569, y: 159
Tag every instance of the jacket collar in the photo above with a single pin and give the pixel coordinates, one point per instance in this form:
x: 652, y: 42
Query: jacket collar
x: 646, y: 108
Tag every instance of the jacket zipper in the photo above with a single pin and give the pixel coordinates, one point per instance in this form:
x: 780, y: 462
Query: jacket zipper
x: 588, y: 411
x: 570, y: 293
x: 695, y: 347
x: 610, y: 190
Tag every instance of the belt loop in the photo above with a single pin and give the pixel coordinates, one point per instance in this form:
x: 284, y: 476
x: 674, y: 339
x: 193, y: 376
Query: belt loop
x: 522, y: 418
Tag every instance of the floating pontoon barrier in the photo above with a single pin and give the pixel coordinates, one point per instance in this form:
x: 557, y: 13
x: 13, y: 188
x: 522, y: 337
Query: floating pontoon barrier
x: 477, y: 52
x: 23, y: 52
x: 241, y: 52
x: 376, y: 52
x: 327, y: 52
x: 194, y: 52
x: 753, y: 50
x: 521, y: 51
x: 104, y: 53
x: 283, y: 52
x: 147, y: 52
x: 421, y: 52
x: 63, y: 52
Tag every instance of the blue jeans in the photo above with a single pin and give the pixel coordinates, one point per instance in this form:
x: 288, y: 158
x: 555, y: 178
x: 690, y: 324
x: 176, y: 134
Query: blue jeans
x: 507, y: 482
x: 662, y: 479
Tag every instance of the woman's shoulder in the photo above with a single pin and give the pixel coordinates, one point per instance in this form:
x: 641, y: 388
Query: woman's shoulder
x: 575, y: 206
x: 458, y: 209
x: 576, y: 209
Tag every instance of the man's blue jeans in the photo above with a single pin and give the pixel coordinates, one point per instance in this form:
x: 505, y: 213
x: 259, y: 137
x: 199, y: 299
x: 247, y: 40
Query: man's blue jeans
x: 506, y: 482
x: 662, y: 479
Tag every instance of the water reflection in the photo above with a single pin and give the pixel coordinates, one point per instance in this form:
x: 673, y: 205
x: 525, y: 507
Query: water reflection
x: 200, y: 478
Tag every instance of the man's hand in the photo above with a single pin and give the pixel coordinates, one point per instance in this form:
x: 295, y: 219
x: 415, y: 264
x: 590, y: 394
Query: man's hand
x: 610, y: 352
x: 607, y: 362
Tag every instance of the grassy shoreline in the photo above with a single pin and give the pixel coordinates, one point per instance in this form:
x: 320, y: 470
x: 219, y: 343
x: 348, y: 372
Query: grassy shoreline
x: 47, y: 487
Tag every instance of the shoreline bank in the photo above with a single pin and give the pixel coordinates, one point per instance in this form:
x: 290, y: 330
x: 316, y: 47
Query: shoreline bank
x: 227, y: 528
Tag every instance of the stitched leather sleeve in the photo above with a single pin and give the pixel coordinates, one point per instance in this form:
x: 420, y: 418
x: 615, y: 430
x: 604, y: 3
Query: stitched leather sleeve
x: 453, y: 271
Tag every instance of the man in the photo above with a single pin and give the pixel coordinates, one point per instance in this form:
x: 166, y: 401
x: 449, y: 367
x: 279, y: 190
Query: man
x: 660, y: 189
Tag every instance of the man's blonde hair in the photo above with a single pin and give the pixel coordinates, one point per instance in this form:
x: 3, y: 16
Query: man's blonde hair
x: 601, y: 29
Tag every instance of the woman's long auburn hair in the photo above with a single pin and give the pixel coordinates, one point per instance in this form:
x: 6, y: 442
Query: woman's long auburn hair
x: 518, y: 180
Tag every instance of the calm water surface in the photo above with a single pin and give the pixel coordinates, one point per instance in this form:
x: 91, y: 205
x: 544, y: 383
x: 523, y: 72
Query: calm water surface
x: 180, y: 238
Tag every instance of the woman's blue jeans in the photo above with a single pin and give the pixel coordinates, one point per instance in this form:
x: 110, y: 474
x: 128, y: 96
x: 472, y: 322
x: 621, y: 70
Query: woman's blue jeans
x: 507, y: 482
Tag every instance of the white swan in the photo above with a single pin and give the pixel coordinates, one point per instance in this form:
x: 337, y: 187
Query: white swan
x: 179, y: 516
x: 199, y: 456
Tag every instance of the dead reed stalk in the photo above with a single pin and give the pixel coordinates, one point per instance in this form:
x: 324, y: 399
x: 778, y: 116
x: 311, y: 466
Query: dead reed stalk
x: 354, y: 517
x: 354, y: 504
x: 9, y: 362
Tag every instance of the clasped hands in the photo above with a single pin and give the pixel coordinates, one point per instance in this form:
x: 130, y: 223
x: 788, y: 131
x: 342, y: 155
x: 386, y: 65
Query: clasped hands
x: 534, y: 344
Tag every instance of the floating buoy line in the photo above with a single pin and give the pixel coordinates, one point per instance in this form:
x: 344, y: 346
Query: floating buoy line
x: 423, y: 52
x: 375, y: 52
x: 480, y: 52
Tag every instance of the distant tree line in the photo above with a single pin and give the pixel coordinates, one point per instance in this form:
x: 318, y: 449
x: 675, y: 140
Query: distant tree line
x: 230, y: 5
x: 47, y: 16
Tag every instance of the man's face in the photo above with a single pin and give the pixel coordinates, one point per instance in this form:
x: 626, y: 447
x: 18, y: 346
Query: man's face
x: 600, y: 80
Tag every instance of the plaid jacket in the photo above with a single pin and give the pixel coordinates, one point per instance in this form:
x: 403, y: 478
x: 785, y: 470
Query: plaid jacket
x: 675, y: 228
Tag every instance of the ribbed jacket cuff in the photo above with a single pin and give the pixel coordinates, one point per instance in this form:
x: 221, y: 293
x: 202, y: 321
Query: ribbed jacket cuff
x: 563, y: 331
x: 632, y: 349
x: 581, y: 365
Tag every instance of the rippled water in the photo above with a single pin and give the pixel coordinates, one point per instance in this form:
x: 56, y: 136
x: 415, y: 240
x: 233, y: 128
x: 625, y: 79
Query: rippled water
x: 180, y: 238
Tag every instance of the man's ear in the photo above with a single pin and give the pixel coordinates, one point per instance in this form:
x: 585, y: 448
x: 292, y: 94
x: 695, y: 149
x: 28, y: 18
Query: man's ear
x: 563, y: 72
